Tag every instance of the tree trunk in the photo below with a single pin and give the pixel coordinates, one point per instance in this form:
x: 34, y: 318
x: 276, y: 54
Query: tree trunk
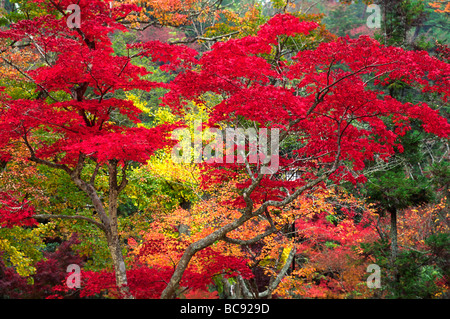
x: 109, y: 221
x: 170, y: 291
x: 394, y: 248
x: 394, y: 236
x: 113, y: 234
x: 119, y: 265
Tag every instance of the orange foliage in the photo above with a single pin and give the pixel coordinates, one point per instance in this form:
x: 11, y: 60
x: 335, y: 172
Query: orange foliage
x: 21, y: 177
x: 332, y: 264
x: 418, y: 223
x: 21, y: 58
x: 169, y: 12
x: 326, y: 236
x: 440, y: 6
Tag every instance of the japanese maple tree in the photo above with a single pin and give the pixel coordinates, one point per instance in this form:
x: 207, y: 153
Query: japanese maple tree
x: 331, y: 261
x: 72, y: 124
x: 328, y: 102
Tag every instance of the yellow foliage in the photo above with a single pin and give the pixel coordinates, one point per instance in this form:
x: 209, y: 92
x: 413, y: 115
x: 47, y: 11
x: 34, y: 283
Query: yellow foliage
x: 137, y: 102
x: 17, y: 258
x: 160, y: 165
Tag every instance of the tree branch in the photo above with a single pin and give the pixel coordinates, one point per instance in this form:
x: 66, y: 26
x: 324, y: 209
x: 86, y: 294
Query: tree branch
x: 204, y: 39
x: 124, y: 181
x: 274, y: 284
x: 94, y: 174
x: 321, y: 94
x: 42, y: 161
x: 247, y: 242
x: 90, y: 220
x: 76, y: 172
x: 280, y: 275
x: 28, y: 77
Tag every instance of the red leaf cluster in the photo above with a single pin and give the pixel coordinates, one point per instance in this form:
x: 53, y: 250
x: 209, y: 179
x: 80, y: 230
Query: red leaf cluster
x: 15, y: 211
x: 321, y: 96
x: 84, y: 61
x: 284, y: 24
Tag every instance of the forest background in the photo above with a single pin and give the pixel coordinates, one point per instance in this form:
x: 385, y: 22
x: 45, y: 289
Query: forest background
x: 92, y: 204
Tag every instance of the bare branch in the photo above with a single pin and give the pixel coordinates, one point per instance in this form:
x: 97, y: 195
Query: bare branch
x: 39, y: 49
x: 309, y: 8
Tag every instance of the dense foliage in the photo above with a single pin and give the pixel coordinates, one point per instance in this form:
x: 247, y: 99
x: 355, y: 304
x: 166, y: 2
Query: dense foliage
x: 350, y: 166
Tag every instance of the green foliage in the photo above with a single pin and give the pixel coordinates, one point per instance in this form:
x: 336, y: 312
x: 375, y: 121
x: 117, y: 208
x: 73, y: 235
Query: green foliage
x: 441, y: 176
x: 436, y: 25
x: 417, y: 276
x: 344, y: 18
x: 391, y: 190
x: 21, y: 248
x: 418, y: 272
x: 17, y: 10
x: 440, y: 247
x: 400, y: 16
